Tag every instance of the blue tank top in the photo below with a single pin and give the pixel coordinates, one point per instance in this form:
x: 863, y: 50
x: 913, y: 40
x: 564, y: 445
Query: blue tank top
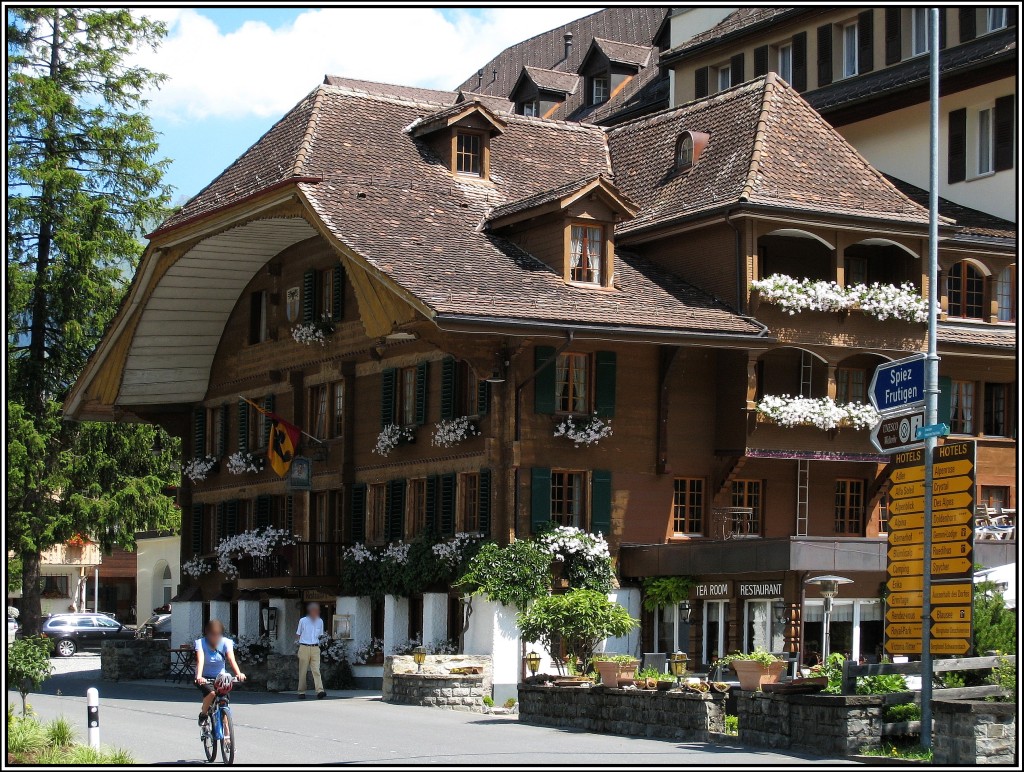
x: 214, y: 660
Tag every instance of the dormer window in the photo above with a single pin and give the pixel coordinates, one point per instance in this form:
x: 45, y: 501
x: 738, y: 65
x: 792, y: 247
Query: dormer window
x: 461, y: 135
x: 689, y: 146
x: 531, y: 108
x: 586, y: 254
x: 469, y: 154
x: 599, y: 89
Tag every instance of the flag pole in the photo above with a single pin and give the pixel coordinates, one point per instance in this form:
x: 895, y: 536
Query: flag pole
x: 266, y: 413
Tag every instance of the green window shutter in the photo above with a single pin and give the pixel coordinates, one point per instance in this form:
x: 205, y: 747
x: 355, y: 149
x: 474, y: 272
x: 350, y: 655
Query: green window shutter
x: 945, y: 399
x: 359, y: 512
x: 396, y: 510
x: 447, y: 505
x: 422, y: 374
x: 893, y: 35
x: 387, y: 397
x: 956, y: 146
x: 221, y: 521
x: 338, y: 312
x: 308, y: 296
x: 799, y: 61
x: 262, y: 511
x: 431, y: 504
x: 1005, y: 113
x: 268, y: 405
x: 448, y: 370
x: 968, y: 24
x: 231, y: 517
x: 197, y: 529
x: 736, y: 74
x: 222, y: 448
x: 540, y: 497
x: 544, y: 384
x: 199, y: 432
x: 824, y: 55
x: 289, y: 513
x: 484, y: 505
x: 483, y: 398
x: 700, y: 82
x: 243, y: 426
x: 604, y: 386
x: 601, y: 501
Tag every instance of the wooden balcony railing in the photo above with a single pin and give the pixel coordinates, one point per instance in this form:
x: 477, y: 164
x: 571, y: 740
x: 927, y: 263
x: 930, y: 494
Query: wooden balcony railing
x: 297, y: 563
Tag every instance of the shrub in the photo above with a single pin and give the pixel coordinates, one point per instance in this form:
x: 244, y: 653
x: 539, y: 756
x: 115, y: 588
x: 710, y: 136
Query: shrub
x: 907, y: 712
x: 60, y: 733
x: 1004, y: 675
x: 512, y: 575
x: 732, y: 725
x: 995, y: 626
x: 509, y: 703
x: 28, y: 665
x: 489, y: 701
x: 579, y: 618
x: 25, y: 737
x: 881, y: 684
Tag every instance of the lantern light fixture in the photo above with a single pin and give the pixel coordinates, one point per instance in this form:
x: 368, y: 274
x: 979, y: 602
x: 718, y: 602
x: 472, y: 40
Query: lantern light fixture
x: 419, y: 656
x: 533, y: 662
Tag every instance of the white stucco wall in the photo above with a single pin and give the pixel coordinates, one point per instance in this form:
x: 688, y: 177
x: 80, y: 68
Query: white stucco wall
x: 897, y: 144
x: 492, y: 630
x: 687, y: 22
x: 628, y: 597
x: 153, y: 554
x: 186, y: 622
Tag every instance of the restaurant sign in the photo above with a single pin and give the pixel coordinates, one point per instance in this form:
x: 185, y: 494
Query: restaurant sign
x: 760, y: 589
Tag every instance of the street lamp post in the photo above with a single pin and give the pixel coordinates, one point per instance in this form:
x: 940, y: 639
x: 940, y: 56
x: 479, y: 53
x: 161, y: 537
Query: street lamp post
x: 828, y: 586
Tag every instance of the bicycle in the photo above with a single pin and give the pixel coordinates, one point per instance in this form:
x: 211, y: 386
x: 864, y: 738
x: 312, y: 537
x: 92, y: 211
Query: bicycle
x: 219, y: 728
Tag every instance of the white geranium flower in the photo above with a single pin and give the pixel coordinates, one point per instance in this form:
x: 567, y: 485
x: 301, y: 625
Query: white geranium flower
x: 584, y: 431
x: 448, y: 432
x: 824, y: 413
x: 390, y: 436
x: 882, y: 301
x: 197, y: 469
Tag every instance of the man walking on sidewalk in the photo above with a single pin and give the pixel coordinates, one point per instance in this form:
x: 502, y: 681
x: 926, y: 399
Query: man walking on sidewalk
x: 307, y: 636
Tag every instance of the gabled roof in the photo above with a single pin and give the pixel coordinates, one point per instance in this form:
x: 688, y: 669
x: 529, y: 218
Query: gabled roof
x: 971, y: 223
x: 559, y: 198
x: 492, y: 103
x: 456, y: 113
x: 986, y: 335
x: 767, y: 148
x: 549, y: 80
x: 620, y: 53
x: 391, y: 90
x: 737, y: 23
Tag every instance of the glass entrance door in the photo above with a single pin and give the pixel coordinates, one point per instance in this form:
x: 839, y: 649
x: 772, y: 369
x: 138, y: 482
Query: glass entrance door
x: 760, y: 630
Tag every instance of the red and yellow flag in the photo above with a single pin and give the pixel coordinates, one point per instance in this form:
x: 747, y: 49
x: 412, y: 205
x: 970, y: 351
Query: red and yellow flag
x: 284, y: 441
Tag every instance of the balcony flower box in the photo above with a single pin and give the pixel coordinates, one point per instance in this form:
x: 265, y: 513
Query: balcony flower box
x: 883, y: 301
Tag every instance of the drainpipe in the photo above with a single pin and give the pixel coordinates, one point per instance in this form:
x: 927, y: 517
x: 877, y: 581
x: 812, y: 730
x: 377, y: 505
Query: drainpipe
x: 518, y: 421
x: 740, y: 262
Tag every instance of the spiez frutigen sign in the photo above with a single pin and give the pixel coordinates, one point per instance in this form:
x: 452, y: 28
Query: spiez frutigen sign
x: 898, y: 385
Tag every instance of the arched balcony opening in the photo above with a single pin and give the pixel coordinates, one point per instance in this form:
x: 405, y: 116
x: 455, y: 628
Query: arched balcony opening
x: 795, y: 253
x: 853, y: 376
x: 880, y: 261
x: 965, y: 290
x: 793, y: 371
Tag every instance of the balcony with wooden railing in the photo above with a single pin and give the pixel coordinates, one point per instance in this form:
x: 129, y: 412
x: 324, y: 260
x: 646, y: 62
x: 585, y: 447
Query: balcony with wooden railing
x: 306, y: 564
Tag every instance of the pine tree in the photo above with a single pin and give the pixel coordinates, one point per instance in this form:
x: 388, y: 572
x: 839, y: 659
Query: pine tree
x: 83, y: 179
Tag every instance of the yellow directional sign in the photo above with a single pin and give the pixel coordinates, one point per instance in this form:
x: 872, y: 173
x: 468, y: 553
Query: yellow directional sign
x: 903, y: 645
x: 951, y: 549
x: 951, y: 517
x: 944, y: 469
x: 907, y: 506
x: 949, y: 646
x: 901, y: 522
x: 906, y: 490
x: 910, y: 474
x: 906, y: 536
x: 912, y: 614
x: 952, y: 485
x: 907, y: 599
x: 906, y: 552
x: 951, y: 566
x: 951, y: 614
x: 905, y: 584
x: 952, y: 533
x: 906, y: 568
x: 960, y: 592
x: 951, y: 501
x: 951, y: 630
x: 904, y: 630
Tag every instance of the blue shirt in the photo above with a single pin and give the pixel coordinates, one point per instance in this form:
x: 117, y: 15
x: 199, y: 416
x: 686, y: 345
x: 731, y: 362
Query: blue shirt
x: 214, y: 660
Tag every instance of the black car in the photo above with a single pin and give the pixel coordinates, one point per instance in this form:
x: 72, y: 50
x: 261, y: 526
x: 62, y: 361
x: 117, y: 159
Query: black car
x: 72, y: 632
x: 157, y: 626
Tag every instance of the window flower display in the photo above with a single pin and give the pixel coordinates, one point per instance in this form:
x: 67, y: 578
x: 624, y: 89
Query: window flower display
x: 451, y: 432
x: 197, y: 469
x: 259, y: 543
x: 824, y: 413
x: 584, y: 431
x: 242, y: 463
x: 390, y: 436
x: 882, y: 301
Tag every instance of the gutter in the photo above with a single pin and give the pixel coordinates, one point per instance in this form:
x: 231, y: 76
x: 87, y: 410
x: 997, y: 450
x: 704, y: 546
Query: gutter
x: 740, y: 259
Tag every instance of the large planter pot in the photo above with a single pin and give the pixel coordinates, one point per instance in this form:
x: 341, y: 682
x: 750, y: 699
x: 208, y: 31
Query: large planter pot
x: 752, y: 674
x: 616, y: 673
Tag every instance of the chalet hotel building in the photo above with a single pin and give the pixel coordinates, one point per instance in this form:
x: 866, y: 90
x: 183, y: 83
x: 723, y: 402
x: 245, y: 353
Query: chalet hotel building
x: 578, y: 231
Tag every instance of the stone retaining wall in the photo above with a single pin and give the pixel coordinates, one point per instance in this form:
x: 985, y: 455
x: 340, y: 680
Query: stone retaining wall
x: 686, y: 717
x: 132, y: 659
x: 825, y: 725
x: 435, y: 664
x: 280, y: 673
x: 974, y: 732
x: 455, y: 692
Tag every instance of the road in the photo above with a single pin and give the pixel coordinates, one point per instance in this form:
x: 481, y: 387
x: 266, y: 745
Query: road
x: 157, y: 723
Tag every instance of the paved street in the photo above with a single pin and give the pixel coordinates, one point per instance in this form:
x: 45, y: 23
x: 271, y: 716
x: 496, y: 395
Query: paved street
x: 157, y: 723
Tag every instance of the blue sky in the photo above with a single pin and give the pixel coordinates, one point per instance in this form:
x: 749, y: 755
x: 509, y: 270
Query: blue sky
x: 232, y: 72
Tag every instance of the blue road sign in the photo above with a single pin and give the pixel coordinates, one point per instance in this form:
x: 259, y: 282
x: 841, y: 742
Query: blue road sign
x: 898, y: 385
x: 932, y: 430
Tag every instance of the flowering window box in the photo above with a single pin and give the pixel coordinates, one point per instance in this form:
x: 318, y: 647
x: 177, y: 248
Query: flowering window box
x: 823, y: 413
x: 883, y: 301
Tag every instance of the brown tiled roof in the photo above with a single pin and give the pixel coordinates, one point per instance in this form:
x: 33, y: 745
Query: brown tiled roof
x: 970, y: 222
x: 391, y: 90
x: 736, y: 22
x: 625, y: 53
x: 767, y: 147
x: 553, y: 80
x: 989, y: 335
x: 547, y: 196
x: 492, y: 103
x: 438, y: 118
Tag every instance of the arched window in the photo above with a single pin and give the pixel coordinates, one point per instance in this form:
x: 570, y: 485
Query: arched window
x: 684, y: 151
x: 965, y: 289
x: 1006, y: 294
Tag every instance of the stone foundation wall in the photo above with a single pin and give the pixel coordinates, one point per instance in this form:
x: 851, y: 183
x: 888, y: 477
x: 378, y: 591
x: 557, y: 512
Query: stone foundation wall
x: 825, y: 725
x: 685, y: 717
x: 132, y: 659
x: 436, y: 664
x: 974, y: 732
x: 280, y: 673
x: 455, y: 692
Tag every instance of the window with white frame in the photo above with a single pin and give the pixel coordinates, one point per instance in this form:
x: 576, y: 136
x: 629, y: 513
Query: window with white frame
x: 724, y: 77
x: 850, y: 50
x: 671, y: 630
x: 760, y: 628
x: 599, y: 89
x: 919, y: 31
x: 856, y: 628
x: 531, y: 108
x: 995, y: 19
x: 786, y: 62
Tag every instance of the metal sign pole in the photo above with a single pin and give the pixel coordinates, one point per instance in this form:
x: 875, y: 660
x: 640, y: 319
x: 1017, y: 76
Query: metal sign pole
x: 931, y: 376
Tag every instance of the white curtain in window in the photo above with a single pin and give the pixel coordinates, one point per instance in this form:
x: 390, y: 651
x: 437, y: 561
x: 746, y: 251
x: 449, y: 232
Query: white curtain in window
x: 1004, y: 294
x: 594, y: 254
x: 576, y: 250
x: 579, y: 381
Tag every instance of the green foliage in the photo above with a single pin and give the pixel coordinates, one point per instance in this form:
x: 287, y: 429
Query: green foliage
x: 649, y: 672
x: 28, y: 665
x: 60, y: 733
x: 30, y: 742
x: 908, y: 711
x: 14, y: 569
x: 995, y: 626
x: 509, y: 703
x: 580, y: 619
x: 26, y: 736
x: 950, y: 679
x: 892, y: 750
x: 489, y: 701
x: 662, y: 591
x: 512, y: 575
x: 1004, y: 676
x: 758, y: 655
x: 623, y: 659
x: 732, y: 725
x: 881, y: 684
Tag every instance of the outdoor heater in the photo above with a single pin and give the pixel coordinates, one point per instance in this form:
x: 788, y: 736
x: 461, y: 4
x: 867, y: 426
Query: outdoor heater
x: 828, y: 586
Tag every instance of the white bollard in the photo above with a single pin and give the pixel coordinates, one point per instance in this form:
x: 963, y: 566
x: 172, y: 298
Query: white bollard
x: 93, y: 717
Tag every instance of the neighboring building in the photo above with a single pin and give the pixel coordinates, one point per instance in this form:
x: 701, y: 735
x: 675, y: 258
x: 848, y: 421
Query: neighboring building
x: 66, y: 579
x: 866, y: 71
x: 158, y: 571
x: 117, y: 591
x: 520, y: 271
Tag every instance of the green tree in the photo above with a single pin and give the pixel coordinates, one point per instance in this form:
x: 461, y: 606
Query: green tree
x: 995, y: 626
x: 28, y: 665
x: 579, y: 618
x: 83, y: 181
x: 513, y: 575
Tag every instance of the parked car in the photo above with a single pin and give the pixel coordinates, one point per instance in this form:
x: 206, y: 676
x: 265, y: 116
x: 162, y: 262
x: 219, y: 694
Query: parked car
x: 74, y: 632
x: 157, y: 626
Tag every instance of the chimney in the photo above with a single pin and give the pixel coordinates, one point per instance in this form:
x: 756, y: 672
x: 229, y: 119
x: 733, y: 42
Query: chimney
x: 568, y: 45
x: 479, y: 79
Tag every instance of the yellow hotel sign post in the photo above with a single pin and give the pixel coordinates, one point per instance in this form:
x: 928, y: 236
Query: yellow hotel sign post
x: 950, y: 584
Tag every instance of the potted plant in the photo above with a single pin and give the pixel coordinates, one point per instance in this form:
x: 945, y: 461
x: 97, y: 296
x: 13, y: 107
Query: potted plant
x: 615, y: 669
x: 754, y: 669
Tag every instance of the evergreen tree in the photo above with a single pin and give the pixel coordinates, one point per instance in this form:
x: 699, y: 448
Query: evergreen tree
x: 83, y: 179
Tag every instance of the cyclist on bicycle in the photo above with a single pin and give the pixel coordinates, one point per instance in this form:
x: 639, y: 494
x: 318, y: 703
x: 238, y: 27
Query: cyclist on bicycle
x: 213, y: 651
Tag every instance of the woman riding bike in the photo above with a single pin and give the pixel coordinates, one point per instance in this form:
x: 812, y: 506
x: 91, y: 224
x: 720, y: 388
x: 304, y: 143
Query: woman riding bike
x: 213, y: 651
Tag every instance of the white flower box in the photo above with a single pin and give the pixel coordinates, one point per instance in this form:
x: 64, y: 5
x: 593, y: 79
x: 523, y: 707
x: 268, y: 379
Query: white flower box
x: 882, y: 301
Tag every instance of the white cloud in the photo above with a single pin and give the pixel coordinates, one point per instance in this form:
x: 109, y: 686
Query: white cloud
x: 257, y: 70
